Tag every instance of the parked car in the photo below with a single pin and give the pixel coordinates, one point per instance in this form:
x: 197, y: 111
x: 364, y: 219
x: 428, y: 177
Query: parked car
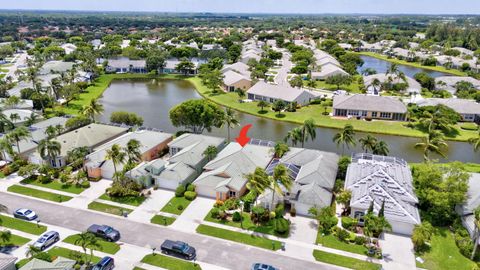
x: 106, y: 232
x: 106, y: 263
x: 47, y: 239
x: 262, y: 266
x: 24, y: 213
x: 178, y: 248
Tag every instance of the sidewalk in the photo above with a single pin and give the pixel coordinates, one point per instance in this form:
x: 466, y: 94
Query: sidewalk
x: 152, y: 205
x: 86, y: 197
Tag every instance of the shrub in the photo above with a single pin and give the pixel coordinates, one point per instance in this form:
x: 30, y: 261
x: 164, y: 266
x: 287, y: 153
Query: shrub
x: 279, y: 210
x: 7, y: 170
x: 180, y: 191
x: 247, y: 206
x: 272, y: 215
x: 215, y: 212
x: 85, y: 184
x: 360, y: 240
x: 191, y: 187
x: 349, y: 223
x: 222, y: 215
x: 231, y: 203
x: 44, y: 179
x: 282, y: 226
x: 43, y: 256
x: 218, y: 203
x: 469, y: 126
x: 180, y: 207
x: 343, y: 235
x: 293, y: 211
x: 236, y: 217
x: 190, y: 195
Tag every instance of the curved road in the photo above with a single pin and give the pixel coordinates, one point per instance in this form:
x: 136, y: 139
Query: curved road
x: 210, y: 250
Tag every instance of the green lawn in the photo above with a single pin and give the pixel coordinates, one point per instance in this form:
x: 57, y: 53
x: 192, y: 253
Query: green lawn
x: 332, y: 241
x: 56, y: 185
x: 247, y: 225
x: 169, y: 263
x: 107, y: 208
x: 16, y: 240
x: 172, y: 205
x: 354, y: 87
x: 70, y: 254
x: 162, y: 220
x: 131, y: 200
x: 469, y: 167
x: 22, y: 225
x: 444, y: 254
x: 315, y: 111
x: 2, y: 175
x: 414, y: 64
x: 107, y: 247
x: 344, y: 261
x: 39, y: 193
x: 239, y: 237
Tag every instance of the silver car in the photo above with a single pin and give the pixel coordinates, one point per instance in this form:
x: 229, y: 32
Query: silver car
x: 47, y: 240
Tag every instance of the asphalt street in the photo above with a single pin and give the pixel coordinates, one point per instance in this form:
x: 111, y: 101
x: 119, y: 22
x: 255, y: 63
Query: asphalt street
x: 210, y: 250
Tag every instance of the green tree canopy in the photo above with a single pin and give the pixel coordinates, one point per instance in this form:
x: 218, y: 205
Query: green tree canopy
x: 197, y: 115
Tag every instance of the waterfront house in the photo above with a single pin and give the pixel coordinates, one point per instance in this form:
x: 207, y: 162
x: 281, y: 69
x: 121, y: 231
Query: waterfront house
x: 384, y: 181
x: 328, y: 69
x: 152, y: 144
x: 369, y: 107
x: 233, y: 80
x: 126, y: 66
x: 469, y: 110
x: 184, y: 163
x: 449, y: 83
x: 271, y: 93
x: 313, y: 174
x: 412, y: 86
x: 467, y: 209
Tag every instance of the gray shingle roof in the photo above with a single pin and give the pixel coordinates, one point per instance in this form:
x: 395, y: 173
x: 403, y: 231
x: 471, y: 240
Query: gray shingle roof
x: 413, y: 85
x: 232, y: 77
x: 462, y: 106
x: 369, y: 103
x: 285, y: 93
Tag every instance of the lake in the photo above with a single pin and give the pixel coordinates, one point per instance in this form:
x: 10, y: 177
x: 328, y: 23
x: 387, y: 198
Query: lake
x: 381, y: 66
x: 152, y: 99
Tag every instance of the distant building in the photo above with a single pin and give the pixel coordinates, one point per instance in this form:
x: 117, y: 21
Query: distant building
x: 469, y: 110
x: 233, y: 80
x: 272, y: 93
x: 372, y: 107
x: 466, y: 210
x: 126, y: 66
x: 412, y: 85
x: 328, y: 70
x: 387, y: 181
x: 59, y: 263
x: 449, y: 83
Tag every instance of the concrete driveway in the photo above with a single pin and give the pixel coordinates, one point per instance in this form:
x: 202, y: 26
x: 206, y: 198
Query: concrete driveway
x: 193, y: 215
x: 398, y: 252
x: 210, y: 250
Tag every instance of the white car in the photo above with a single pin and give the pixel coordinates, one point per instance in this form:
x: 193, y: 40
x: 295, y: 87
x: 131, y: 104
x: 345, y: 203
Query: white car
x: 24, y: 213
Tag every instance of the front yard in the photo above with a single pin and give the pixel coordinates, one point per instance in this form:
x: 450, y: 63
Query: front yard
x: 15, y: 240
x: 54, y: 197
x: 107, y: 247
x: 107, y: 208
x: 162, y: 220
x: 169, y: 263
x: 344, y: 261
x: 21, y: 225
x: 56, y: 185
x: 176, y: 205
x: 243, y: 238
x: 332, y: 241
x: 130, y: 200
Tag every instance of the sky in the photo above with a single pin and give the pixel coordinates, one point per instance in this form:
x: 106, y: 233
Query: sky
x: 257, y: 6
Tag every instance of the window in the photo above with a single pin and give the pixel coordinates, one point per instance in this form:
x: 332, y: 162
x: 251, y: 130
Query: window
x: 364, y: 113
x: 232, y: 193
x: 385, y: 115
x: 374, y: 114
x: 353, y: 112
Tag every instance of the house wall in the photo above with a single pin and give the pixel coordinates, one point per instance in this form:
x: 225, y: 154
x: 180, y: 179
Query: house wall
x: 242, y: 84
x: 153, y: 152
x: 206, y: 191
x: 369, y: 114
x: 94, y: 172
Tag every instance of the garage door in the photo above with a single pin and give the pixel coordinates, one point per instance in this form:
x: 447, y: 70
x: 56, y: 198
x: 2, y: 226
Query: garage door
x: 166, y: 184
x: 402, y: 228
x: 206, y: 191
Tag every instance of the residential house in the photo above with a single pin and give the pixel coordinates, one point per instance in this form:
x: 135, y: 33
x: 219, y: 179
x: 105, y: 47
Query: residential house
x: 225, y: 176
x: 384, y: 181
x: 184, y: 164
x: 328, y: 70
x: 271, y: 93
x: 233, y: 80
x: 449, y: 83
x: 171, y: 66
x: 125, y: 65
x: 68, y: 47
x: 412, y: 85
x: 7, y: 262
x: 90, y: 136
x: 467, y: 209
x: 59, y: 263
x: 469, y: 110
x: 313, y: 174
x: 370, y: 107
x: 238, y: 67
x: 152, y: 143
x: 55, y: 67
x: 244, y: 58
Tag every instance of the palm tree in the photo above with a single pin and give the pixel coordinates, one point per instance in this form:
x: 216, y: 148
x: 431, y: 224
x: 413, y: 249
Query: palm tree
x: 476, y: 235
x: 132, y: 150
x: 92, y: 109
x: 87, y: 240
x: 5, y: 236
x: 381, y: 148
x: 210, y: 152
x: 18, y: 134
x: 31, y: 119
x: 14, y: 117
x: 375, y: 84
x: 49, y: 149
x: 262, y: 104
x: 76, y: 156
x: 258, y: 181
x: 475, y: 142
x: 230, y: 121
x: 346, y: 137
x: 280, y: 149
x: 432, y: 143
x: 308, y: 130
x: 51, y: 132
x: 279, y: 178
x: 32, y: 251
x: 116, y: 155
x: 6, y: 148
x: 368, y: 143
x: 294, y: 135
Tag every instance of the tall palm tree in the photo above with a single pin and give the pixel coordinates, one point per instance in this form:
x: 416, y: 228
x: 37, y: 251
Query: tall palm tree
x: 475, y: 142
x: 92, y: 109
x: 280, y: 149
x: 258, y: 181
x: 279, y: 179
x: 346, y: 137
x: 432, y: 143
x: 381, y: 148
x: 294, y: 136
x: 375, y: 84
x: 49, y: 149
x: 14, y: 117
x: 230, y: 120
x: 210, y: 152
x: 87, y: 240
x: 368, y: 143
x: 32, y: 251
x: 116, y: 155
x: 308, y: 130
x: 51, y: 132
x: 18, y: 134
x: 5, y: 236
x: 6, y: 148
x: 132, y: 150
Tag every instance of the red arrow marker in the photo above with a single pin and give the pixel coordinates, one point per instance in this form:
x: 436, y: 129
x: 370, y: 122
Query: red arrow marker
x: 242, y: 138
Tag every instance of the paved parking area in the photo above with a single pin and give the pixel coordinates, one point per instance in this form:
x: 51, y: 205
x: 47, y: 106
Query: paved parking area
x: 397, y: 252
x: 303, y: 229
x: 193, y: 215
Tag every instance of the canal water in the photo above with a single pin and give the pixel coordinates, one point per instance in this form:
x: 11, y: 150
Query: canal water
x: 381, y: 66
x: 153, y: 99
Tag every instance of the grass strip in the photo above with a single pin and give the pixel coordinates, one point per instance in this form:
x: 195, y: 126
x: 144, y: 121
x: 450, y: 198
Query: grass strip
x: 107, y: 208
x: 107, y: 247
x: 169, y: 263
x: 22, y: 225
x: 162, y: 220
x: 130, y: 200
x: 176, y: 205
x: 54, y: 197
x: 344, y: 261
